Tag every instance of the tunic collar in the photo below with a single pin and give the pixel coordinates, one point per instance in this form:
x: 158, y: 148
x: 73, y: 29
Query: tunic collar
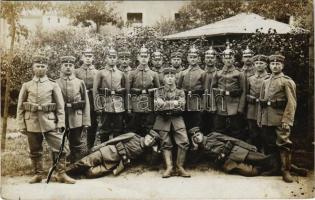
x: 170, y: 88
x: 41, y: 80
x: 141, y: 68
x: 257, y: 75
x: 277, y: 76
x: 127, y: 69
x: 211, y: 69
x: 226, y: 69
x: 113, y: 69
x: 71, y: 77
x: 193, y: 68
x: 90, y: 67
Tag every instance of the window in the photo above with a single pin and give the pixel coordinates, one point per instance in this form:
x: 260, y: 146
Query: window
x: 176, y: 16
x: 134, y: 18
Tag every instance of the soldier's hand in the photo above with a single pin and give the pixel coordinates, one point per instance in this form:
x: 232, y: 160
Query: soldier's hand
x: 23, y: 131
x: 84, y: 129
x: 160, y: 102
x: 285, y: 126
x: 60, y: 130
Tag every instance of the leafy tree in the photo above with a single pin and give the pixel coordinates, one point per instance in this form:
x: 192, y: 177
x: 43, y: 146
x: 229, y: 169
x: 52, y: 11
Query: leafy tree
x: 11, y: 11
x: 96, y: 11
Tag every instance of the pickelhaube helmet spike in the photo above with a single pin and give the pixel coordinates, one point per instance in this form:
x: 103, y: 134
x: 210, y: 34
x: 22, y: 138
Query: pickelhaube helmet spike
x: 248, y: 52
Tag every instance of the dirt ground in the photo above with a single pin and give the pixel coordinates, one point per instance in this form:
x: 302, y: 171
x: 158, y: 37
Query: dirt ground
x: 149, y: 185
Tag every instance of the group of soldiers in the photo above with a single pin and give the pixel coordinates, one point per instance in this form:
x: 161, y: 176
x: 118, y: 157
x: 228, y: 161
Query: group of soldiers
x: 240, y: 118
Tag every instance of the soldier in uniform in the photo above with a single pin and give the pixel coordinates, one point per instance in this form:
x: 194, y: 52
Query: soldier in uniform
x: 192, y: 80
x: 109, y: 92
x: 169, y: 103
x: 248, y: 67
x: 229, y: 90
x: 143, y: 80
x: 77, y: 107
x: 124, y: 60
x: 87, y: 73
x: 113, y: 155
x: 40, y: 113
x: 276, y: 113
x: 231, y: 154
x: 176, y: 63
x: 252, y: 98
x: 157, y: 65
x: 208, y: 114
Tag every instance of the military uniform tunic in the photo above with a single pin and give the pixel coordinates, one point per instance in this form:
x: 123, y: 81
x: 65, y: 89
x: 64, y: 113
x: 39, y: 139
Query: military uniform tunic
x: 77, y: 113
x: 280, y: 93
x: 42, y: 118
x: 229, y: 90
x: 112, y: 79
x: 87, y: 74
x: 142, y: 78
x: 164, y: 123
x: 192, y: 79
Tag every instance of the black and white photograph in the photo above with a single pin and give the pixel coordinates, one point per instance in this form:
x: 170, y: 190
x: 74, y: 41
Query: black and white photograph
x: 149, y: 99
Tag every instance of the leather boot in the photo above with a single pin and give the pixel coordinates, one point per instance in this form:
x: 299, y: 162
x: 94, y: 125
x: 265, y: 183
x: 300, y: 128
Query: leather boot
x: 61, y: 175
x: 97, y: 171
x: 271, y: 166
x: 38, y: 170
x: 168, y: 162
x: 82, y: 165
x: 299, y: 170
x: 181, y: 156
x: 285, y: 157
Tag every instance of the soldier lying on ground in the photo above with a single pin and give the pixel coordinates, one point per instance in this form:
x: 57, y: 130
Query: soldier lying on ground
x: 113, y: 155
x: 235, y: 156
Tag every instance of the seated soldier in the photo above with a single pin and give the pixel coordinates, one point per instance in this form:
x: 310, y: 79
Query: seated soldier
x: 113, y: 155
x: 235, y: 156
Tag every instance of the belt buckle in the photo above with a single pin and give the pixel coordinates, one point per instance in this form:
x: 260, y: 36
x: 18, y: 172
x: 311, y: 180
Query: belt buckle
x: 69, y: 105
x: 143, y: 91
x: 269, y: 103
x: 227, y: 93
x: 39, y: 108
x: 112, y: 92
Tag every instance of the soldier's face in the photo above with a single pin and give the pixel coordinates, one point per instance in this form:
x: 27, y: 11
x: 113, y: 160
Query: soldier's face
x: 276, y: 67
x: 157, y: 62
x: 210, y: 59
x: 176, y: 62
x: 260, y: 66
x: 198, y: 138
x: 228, y: 60
x: 169, y: 79
x: 111, y: 60
x: 148, y: 140
x: 143, y: 58
x: 39, y: 69
x: 247, y: 59
x: 124, y: 61
x: 87, y: 59
x: 193, y: 59
x: 67, y: 68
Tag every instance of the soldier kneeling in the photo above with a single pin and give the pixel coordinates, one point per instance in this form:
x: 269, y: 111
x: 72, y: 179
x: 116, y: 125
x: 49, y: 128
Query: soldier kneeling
x: 113, y: 155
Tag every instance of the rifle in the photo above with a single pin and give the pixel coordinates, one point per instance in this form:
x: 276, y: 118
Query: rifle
x: 56, y: 161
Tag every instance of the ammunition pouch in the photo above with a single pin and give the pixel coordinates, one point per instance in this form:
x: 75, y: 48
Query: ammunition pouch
x: 76, y: 105
x: 251, y: 99
x: 224, y: 154
x: 276, y: 104
x: 32, y: 107
x: 122, y: 153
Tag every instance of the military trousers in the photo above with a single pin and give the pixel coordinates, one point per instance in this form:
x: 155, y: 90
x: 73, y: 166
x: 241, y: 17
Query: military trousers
x: 112, y: 124
x: 230, y: 125
x: 141, y: 123
x: 276, y: 138
x: 91, y: 132
x: 53, y: 139
x: 255, y: 134
x: 180, y: 137
x: 78, y: 148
